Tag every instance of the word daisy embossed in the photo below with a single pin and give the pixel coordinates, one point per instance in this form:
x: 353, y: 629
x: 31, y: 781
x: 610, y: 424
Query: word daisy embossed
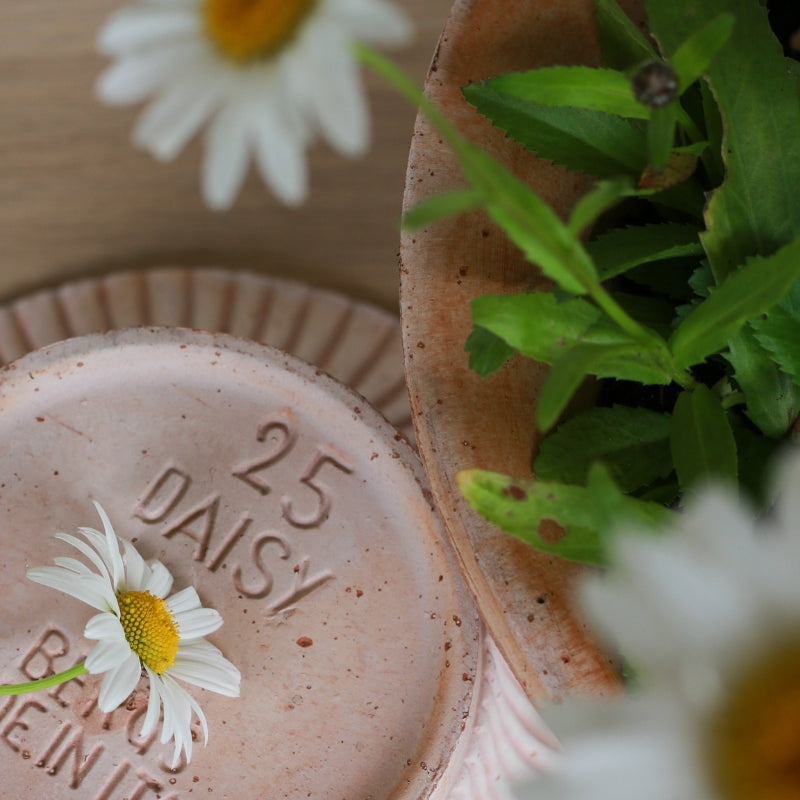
x: 140, y: 627
x: 266, y: 76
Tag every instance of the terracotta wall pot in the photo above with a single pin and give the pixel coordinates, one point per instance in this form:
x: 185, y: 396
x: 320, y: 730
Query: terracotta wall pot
x: 462, y: 420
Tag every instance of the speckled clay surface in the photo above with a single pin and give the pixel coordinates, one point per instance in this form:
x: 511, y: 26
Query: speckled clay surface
x: 294, y: 509
x: 503, y: 738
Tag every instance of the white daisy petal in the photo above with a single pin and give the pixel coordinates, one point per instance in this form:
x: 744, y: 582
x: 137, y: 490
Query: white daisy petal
x: 109, y: 654
x: 166, y: 634
x: 153, y: 704
x: 226, y: 157
x: 339, y: 102
x: 201, y: 664
x: 159, y: 582
x: 711, y: 610
x: 171, y: 120
x: 372, y: 21
x: 119, y: 682
x: 185, y: 600
x: 72, y: 565
x: 136, y: 571
x: 87, y: 551
x: 197, y: 623
x: 104, y: 626
x: 307, y: 86
x: 118, y: 570
x: 99, y: 542
x: 64, y: 581
x: 177, y: 718
x: 134, y: 77
x: 132, y: 28
x: 280, y: 158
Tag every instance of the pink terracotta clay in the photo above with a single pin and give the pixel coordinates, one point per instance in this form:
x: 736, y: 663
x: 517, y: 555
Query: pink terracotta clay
x: 294, y: 509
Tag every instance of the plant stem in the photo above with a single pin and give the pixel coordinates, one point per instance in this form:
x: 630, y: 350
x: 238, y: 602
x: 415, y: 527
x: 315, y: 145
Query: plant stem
x: 44, y: 683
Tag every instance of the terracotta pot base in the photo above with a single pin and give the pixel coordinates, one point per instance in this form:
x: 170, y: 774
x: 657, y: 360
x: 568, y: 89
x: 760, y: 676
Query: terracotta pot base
x: 294, y: 509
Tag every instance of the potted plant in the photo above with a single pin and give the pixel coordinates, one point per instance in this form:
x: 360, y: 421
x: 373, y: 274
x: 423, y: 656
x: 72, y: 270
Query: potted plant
x: 671, y: 285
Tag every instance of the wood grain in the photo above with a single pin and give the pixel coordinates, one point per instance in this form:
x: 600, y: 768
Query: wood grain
x: 78, y: 199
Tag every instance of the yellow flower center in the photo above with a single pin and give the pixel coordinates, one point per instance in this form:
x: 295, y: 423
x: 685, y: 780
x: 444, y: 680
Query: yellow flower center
x: 755, y: 738
x: 244, y: 30
x: 149, y: 628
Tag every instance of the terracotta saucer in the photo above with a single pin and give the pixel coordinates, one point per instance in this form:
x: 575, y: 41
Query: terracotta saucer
x: 294, y: 509
x: 357, y: 343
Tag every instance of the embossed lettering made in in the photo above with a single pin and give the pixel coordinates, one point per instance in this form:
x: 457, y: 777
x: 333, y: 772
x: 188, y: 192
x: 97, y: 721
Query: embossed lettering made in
x: 56, y: 731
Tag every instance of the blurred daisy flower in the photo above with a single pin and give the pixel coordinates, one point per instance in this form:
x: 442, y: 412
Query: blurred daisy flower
x: 140, y: 627
x: 710, y: 619
x: 266, y: 77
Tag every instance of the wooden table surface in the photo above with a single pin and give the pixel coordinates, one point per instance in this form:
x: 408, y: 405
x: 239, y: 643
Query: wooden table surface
x: 77, y: 198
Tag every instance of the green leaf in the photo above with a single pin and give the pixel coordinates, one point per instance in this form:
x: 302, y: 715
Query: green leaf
x: 702, y: 280
x: 592, y: 88
x: 592, y: 142
x: 599, y: 199
x: 630, y: 361
x: 756, y: 455
x: 754, y: 289
x: 540, y: 327
x: 622, y: 44
x: 778, y: 332
x: 439, y: 206
x: 661, y: 135
x: 632, y: 443
x: 624, y: 248
x: 669, y: 278
x: 712, y: 155
x: 526, y: 219
x: 695, y: 54
x: 573, y: 522
x: 772, y: 398
x: 487, y: 352
x: 779, y: 335
x: 755, y: 211
x: 655, y: 313
x: 701, y: 439
x: 664, y: 491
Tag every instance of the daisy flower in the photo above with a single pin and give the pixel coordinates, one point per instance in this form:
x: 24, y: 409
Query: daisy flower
x: 266, y: 77
x: 139, y: 627
x: 710, y: 619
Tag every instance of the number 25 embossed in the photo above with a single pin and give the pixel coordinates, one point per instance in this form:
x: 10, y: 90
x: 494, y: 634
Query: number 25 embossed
x: 252, y: 470
x: 305, y: 503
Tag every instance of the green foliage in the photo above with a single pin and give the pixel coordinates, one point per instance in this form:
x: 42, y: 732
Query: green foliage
x: 487, y: 351
x: 778, y: 333
x: 695, y: 54
x: 625, y: 361
x: 632, y: 443
x: 621, y: 42
x: 440, y: 206
x: 690, y: 285
x: 540, y: 326
x: 587, y: 515
x: 755, y: 211
x: 751, y: 291
x: 605, y: 90
x: 622, y: 249
x: 701, y: 439
x: 590, y: 141
x: 773, y: 399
